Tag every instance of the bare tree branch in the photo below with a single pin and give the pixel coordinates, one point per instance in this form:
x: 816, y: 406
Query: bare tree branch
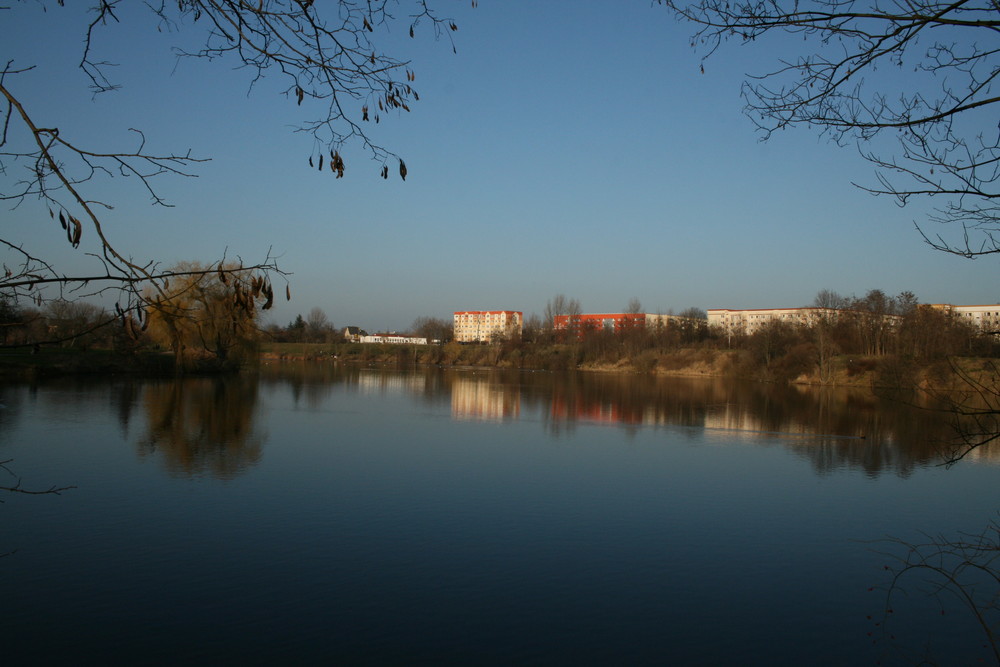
x: 18, y: 488
x: 940, y: 58
x: 327, y: 57
x: 960, y: 574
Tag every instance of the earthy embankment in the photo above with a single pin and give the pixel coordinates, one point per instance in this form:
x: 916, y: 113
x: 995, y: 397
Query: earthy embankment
x: 840, y: 371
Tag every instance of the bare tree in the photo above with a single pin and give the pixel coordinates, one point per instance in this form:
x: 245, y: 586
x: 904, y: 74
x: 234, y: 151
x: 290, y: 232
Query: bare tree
x: 843, y: 78
x: 319, y: 328
x: 634, y: 306
x: 560, y: 305
x: 329, y: 61
x: 829, y: 299
x: 72, y: 322
x: 694, y: 313
x: 532, y: 328
x: 433, y: 328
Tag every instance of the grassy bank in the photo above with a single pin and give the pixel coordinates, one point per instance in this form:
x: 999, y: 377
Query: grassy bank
x: 25, y: 363
x: 840, y: 371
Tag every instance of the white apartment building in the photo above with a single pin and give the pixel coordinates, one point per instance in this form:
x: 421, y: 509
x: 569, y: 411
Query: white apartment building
x: 982, y: 317
x: 485, y: 326
x: 750, y: 320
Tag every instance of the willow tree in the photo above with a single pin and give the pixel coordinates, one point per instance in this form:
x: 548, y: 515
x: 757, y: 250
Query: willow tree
x: 204, y: 315
x: 911, y: 84
x: 328, y: 60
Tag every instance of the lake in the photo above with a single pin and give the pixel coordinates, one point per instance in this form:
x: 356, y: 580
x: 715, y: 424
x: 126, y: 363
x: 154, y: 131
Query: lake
x: 363, y: 515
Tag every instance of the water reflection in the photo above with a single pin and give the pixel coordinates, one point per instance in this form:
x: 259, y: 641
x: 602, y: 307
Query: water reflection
x: 74, y: 397
x: 832, y: 428
x: 393, y: 520
x: 484, y: 397
x: 202, y: 426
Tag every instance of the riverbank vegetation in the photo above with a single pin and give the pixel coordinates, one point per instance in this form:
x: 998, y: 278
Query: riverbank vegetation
x: 876, y: 340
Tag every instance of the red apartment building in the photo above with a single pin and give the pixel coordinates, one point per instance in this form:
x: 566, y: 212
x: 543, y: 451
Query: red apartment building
x: 615, y: 322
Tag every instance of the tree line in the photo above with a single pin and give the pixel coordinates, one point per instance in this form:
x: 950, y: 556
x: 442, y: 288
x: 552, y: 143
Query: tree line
x: 869, y: 329
x: 205, y: 316
x: 215, y: 319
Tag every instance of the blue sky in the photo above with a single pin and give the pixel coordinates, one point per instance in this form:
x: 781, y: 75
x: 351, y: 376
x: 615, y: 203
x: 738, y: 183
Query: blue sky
x: 568, y: 147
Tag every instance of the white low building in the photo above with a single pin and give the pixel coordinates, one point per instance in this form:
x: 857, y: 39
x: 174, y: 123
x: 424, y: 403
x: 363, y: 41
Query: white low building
x: 399, y: 339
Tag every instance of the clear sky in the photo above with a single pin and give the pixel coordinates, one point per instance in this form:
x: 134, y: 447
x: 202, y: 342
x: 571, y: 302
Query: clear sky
x: 568, y: 147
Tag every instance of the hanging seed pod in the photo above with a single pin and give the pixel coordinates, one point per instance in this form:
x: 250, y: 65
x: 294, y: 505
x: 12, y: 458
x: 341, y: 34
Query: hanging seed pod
x: 77, y: 231
x: 130, y: 329
x: 269, y: 297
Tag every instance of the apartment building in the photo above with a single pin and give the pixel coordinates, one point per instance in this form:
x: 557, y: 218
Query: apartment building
x: 487, y: 326
x: 751, y: 320
x: 615, y: 322
x: 983, y: 317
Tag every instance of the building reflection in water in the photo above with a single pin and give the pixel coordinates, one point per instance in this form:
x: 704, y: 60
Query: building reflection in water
x: 484, y: 397
x: 831, y: 428
x: 378, y: 381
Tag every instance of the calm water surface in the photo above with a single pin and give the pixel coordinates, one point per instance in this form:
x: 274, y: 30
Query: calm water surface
x: 372, y: 516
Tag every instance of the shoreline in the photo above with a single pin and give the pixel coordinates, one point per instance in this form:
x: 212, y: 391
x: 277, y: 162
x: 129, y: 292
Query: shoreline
x: 844, y: 371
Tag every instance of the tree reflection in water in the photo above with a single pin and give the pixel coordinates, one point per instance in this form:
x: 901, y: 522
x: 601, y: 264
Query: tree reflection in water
x: 833, y: 429
x: 203, y: 425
